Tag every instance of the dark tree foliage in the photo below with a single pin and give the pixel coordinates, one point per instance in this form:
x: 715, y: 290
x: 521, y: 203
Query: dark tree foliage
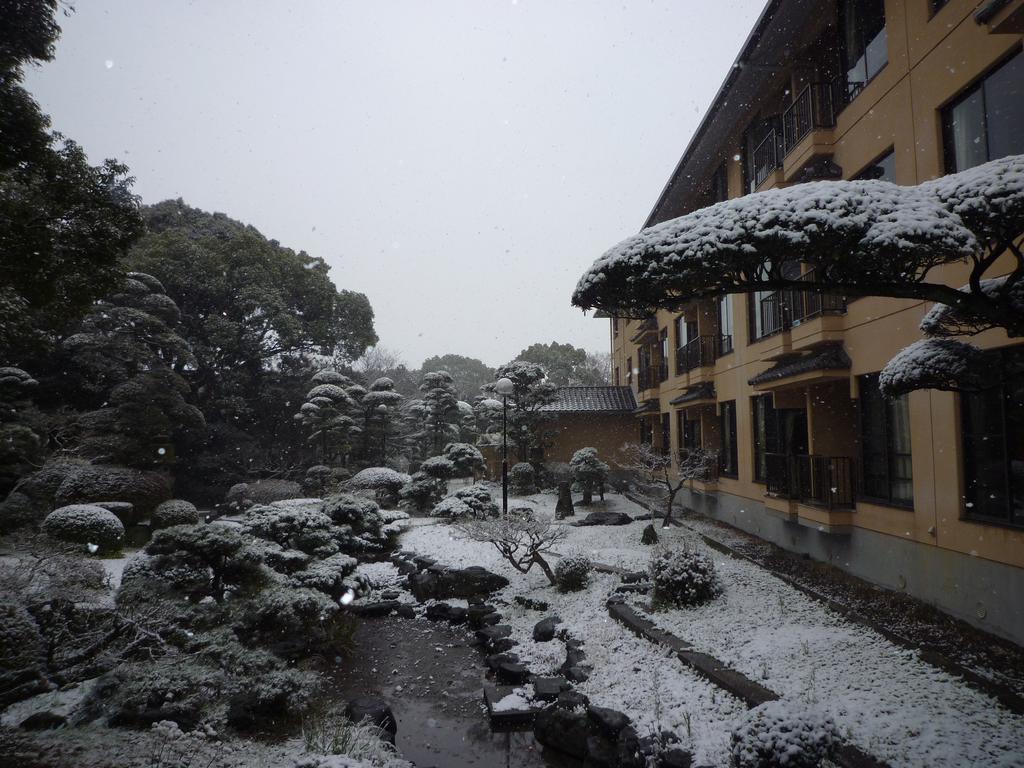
x: 531, y: 392
x: 468, y: 373
x: 565, y: 364
x: 64, y: 224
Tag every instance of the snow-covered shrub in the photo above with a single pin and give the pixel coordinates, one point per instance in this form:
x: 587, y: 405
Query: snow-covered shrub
x: 85, y: 524
x: 290, y: 619
x: 43, y: 485
x: 280, y: 559
x: 782, y: 734
x: 317, y: 479
x: 349, y: 509
x: 684, y: 577
x: 438, y: 467
x: 174, y: 512
x: 284, y: 694
x: 381, y: 479
x: 466, y: 459
x: 472, y: 502
x: 327, y: 576
x: 365, y: 743
x: 19, y: 510
x: 22, y: 648
x: 243, y: 495
x: 204, y: 560
x: 423, y: 491
x: 572, y: 572
x: 144, y: 490
x: 293, y: 528
x: 522, y: 478
x: 589, y: 473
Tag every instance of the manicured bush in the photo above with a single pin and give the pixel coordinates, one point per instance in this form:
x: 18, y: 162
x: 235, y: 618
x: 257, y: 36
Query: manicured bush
x: 293, y: 527
x: 353, y: 510
x: 22, y: 648
x: 438, y: 467
x: 466, y: 459
x: 85, y: 524
x: 318, y: 478
x: 19, y: 510
x: 684, y: 577
x: 43, y: 485
x: 782, y: 734
x: 380, y: 479
x: 327, y: 576
x: 522, y: 478
x: 589, y: 473
x: 96, y: 482
x: 174, y: 512
x: 244, y: 495
x: 472, y: 502
x: 422, y: 492
x: 205, y: 560
x: 572, y: 572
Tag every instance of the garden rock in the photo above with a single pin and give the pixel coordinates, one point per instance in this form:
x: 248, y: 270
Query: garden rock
x: 563, y: 730
x: 600, y: 753
x: 453, y: 614
x: 676, y: 757
x: 123, y: 510
x: 495, y: 660
x: 606, y: 518
x: 43, y: 721
x: 450, y: 583
x: 476, y: 613
x: 548, y: 688
x: 570, y: 699
x: 544, y: 630
x: 649, y: 536
x: 405, y: 611
x: 610, y: 721
x: 375, y: 610
x: 374, y: 709
x: 512, y: 673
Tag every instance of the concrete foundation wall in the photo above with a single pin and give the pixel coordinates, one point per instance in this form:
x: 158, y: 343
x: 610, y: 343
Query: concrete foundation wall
x: 984, y: 593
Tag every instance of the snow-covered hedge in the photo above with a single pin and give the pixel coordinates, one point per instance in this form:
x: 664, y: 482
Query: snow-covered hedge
x: 85, y: 524
x: 244, y: 495
x: 19, y: 510
x: 97, y: 482
x: 22, y: 647
x: 174, y: 512
x: 438, y: 467
x: 783, y: 734
x: 465, y: 458
x: 472, y: 502
x: 328, y: 575
x: 572, y: 572
x: 523, y: 478
x: 684, y: 577
x: 423, y: 491
x: 378, y: 479
x: 294, y: 527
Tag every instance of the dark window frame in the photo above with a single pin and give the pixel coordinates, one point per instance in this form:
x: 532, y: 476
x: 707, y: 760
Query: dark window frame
x: 869, y: 383
x: 725, y: 348
x: 727, y: 427
x: 865, y: 172
x: 848, y: 95
x: 945, y: 111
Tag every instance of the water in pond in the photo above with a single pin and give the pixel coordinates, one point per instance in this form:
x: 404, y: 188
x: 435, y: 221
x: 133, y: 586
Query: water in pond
x: 433, y: 680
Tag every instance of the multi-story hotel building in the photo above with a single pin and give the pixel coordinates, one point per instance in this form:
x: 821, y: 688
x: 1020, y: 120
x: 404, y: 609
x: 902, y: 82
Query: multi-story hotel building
x: 925, y: 493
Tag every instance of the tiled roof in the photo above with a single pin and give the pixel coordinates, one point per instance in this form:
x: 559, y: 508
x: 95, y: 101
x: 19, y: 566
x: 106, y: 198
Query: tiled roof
x: 826, y: 358
x: 592, y: 400
x: 647, y: 406
x: 703, y: 391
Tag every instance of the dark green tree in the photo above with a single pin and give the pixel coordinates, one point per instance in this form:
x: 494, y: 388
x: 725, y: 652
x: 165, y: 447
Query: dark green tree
x: 531, y: 392
x: 565, y: 364
x: 468, y: 373
x: 441, y: 403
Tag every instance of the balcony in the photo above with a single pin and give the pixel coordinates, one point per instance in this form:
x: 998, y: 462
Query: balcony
x: 697, y: 353
x: 767, y: 159
x: 649, y: 378
x: 819, y: 481
x: 790, y: 307
x: 813, y: 108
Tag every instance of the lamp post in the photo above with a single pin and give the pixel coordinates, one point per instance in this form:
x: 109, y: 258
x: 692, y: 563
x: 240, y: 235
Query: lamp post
x: 504, y: 387
x: 382, y: 411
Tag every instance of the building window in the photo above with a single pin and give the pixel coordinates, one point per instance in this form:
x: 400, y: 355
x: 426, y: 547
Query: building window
x: 864, y: 42
x: 689, y: 433
x: 629, y: 371
x: 666, y: 433
x: 720, y: 185
x: 884, y: 169
x: 993, y: 445
x: 984, y: 123
x: 616, y: 375
x: 663, y: 361
x: 766, y: 434
x: 725, y: 325
x: 728, y: 458
x: 885, y: 446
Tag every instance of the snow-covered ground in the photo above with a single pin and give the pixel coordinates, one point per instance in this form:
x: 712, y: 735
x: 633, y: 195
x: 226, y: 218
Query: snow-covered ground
x: 884, y: 698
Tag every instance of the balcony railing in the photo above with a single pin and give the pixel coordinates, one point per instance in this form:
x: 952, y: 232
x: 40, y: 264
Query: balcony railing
x: 814, y: 107
x: 821, y: 481
x: 766, y: 157
x: 649, y: 378
x: 663, y: 370
x: 696, y: 353
x: 789, y: 307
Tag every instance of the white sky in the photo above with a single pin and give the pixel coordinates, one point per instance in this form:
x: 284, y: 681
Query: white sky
x: 461, y: 163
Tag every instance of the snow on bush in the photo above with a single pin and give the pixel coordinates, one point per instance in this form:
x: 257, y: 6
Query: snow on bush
x: 244, y: 495
x: 465, y: 458
x: 22, y: 647
x: 282, y: 612
x: 684, y: 577
x: 473, y: 502
x: 327, y: 575
x: 378, y: 479
x: 85, y: 524
x: 438, y: 467
x: 174, y: 512
x: 423, y: 491
x: 523, y: 478
x: 18, y: 510
x: 349, y: 509
x: 935, y: 364
x: 572, y: 572
x: 97, y: 482
x: 782, y: 734
x: 299, y: 528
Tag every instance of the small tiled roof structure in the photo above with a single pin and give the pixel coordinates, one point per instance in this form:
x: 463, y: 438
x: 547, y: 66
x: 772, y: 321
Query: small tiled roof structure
x: 592, y: 400
x: 829, y: 357
x: 647, y: 406
x: 703, y: 391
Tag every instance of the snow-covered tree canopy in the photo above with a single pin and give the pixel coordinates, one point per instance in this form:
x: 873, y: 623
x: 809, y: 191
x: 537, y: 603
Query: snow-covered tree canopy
x: 861, y: 238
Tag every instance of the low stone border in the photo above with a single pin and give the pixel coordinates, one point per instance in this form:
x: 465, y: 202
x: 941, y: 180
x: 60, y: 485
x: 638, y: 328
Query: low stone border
x: 1001, y: 693
x: 731, y: 680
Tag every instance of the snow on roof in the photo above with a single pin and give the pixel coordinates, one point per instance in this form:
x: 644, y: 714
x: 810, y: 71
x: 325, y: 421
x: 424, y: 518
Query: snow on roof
x: 605, y: 399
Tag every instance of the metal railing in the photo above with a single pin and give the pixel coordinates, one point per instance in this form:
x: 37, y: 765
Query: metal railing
x: 766, y: 157
x: 696, y: 353
x: 814, y: 107
x: 789, y: 307
x: 821, y: 481
x: 663, y: 370
x: 649, y: 378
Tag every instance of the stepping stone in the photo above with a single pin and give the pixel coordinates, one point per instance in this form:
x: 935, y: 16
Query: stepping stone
x: 512, y: 673
x: 518, y: 719
x: 544, y: 630
x: 496, y: 659
x: 496, y: 632
x: 610, y: 721
x: 571, y: 699
x: 548, y: 688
